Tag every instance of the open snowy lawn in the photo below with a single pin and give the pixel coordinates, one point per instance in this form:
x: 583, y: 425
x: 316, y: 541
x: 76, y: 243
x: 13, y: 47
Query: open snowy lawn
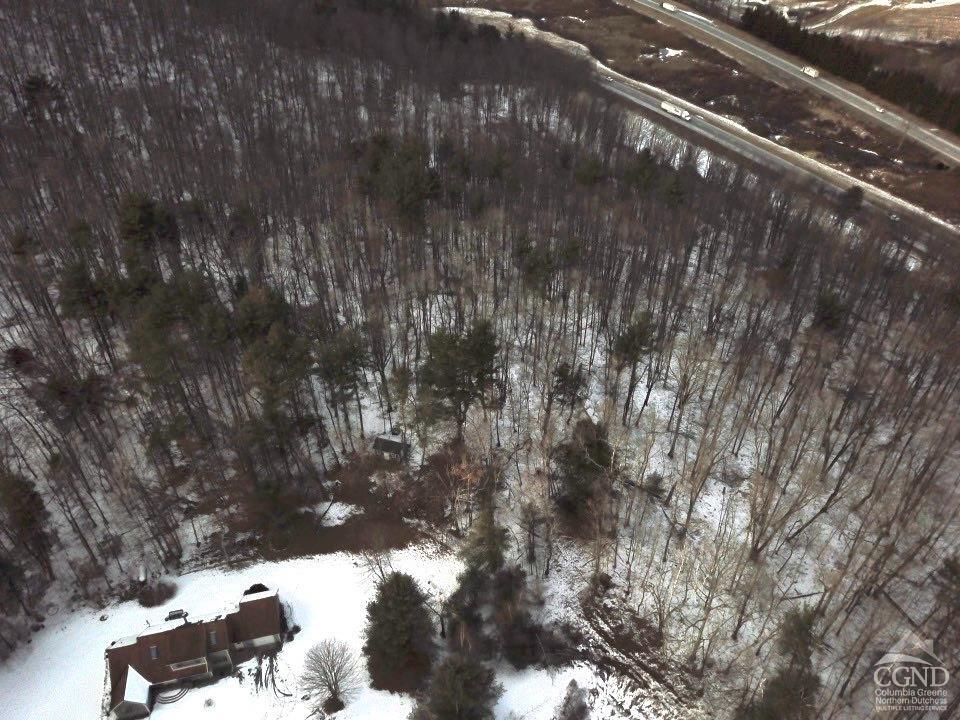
x: 60, y: 674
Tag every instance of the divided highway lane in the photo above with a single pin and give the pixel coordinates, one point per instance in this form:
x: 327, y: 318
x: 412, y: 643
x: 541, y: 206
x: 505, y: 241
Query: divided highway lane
x: 738, y: 144
x: 741, y: 142
x: 727, y: 139
x: 950, y: 150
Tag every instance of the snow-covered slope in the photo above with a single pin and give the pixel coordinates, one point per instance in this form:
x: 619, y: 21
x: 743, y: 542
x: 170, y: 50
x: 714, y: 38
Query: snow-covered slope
x: 60, y: 674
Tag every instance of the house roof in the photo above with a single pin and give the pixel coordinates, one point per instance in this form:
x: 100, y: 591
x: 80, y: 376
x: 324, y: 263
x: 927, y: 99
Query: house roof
x: 217, y: 614
x: 163, y: 627
x: 123, y: 642
x: 256, y: 615
x: 187, y: 626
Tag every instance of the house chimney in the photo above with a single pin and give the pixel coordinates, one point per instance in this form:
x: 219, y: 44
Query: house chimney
x: 177, y: 615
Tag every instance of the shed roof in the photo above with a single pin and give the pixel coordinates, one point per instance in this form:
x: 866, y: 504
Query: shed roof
x: 390, y: 443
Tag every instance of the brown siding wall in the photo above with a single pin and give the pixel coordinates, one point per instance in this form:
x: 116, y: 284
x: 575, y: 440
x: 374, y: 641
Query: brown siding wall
x: 117, y: 660
x: 255, y: 619
x: 186, y: 642
x: 223, y: 642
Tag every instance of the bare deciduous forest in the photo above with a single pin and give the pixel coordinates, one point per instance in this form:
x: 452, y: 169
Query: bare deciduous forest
x: 240, y: 239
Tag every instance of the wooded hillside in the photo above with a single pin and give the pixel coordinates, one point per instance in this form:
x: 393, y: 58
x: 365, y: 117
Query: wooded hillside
x: 232, y: 233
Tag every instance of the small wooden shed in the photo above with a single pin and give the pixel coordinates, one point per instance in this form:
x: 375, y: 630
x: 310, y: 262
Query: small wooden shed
x: 391, y: 446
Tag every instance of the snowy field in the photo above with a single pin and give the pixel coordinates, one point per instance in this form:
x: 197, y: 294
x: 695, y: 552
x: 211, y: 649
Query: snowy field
x: 60, y: 674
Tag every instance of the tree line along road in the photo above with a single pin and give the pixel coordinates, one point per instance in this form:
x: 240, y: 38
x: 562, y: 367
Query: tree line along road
x: 732, y: 42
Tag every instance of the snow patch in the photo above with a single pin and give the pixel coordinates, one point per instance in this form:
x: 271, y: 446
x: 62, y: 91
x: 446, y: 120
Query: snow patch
x: 60, y: 674
x: 928, y: 5
x: 667, y: 53
x: 337, y: 513
x: 848, y: 10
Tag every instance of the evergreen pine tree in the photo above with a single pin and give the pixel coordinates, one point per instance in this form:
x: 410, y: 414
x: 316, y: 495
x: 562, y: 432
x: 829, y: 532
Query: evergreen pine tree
x: 399, y: 635
x: 459, y: 366
x: 580, y: 464
x: 463, y: 688
x: 791, y: 693
x: 26, y: 517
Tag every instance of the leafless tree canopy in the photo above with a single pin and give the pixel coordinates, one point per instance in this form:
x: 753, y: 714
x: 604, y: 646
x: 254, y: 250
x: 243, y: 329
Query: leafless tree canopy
x: 229, y: 229
x: 331, y: 670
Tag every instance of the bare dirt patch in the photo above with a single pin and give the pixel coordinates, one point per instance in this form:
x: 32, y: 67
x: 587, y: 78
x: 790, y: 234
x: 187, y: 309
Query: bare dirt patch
x: 286, y: 525
x: 368, y: 531
x: 939, y: 62
x: 621, y: 642
x: 909, y: 21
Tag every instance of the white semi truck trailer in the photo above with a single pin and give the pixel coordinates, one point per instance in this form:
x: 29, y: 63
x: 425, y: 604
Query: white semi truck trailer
x: 676, y: 110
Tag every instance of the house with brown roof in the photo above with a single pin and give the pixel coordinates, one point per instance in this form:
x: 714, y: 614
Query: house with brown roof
x: 183, y: 650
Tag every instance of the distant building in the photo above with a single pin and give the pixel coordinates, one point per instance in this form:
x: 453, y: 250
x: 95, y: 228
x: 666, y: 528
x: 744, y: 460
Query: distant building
x: 182, y: 650
x: 391, y: 447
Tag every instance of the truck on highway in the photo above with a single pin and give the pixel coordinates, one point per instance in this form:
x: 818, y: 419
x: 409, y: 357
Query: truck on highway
x: 676, y: 110
x: 669, y: 7
x: 811, y: 71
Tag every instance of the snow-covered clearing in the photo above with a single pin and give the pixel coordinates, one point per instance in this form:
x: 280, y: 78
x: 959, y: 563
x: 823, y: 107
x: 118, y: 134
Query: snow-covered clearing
x: 927, y: 5
x: 60, y: 674
x: 848, y: 10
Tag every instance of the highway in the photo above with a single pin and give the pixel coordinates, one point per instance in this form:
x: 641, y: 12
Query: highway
x: 732, y: 137
x: 741, y: 142
x: 736, y: 143
x: 732, y: 43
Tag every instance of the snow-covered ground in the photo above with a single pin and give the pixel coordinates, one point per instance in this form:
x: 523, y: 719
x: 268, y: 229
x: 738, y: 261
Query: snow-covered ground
x: 925, y: 21
x: 61, y: 673
x: 336, y: 513
x: 856, y: 7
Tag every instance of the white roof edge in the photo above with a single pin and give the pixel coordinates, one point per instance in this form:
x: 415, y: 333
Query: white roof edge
x: 137, y: 688
x: 124, y: 641
x: 217, y: 615
x: 163, y: 627
x: 179, y: 622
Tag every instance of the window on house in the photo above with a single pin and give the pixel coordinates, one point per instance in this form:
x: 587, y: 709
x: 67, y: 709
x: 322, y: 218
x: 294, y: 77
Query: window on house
x: 212, y: 637
x: 154, y: 652
x: 187, y: 664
